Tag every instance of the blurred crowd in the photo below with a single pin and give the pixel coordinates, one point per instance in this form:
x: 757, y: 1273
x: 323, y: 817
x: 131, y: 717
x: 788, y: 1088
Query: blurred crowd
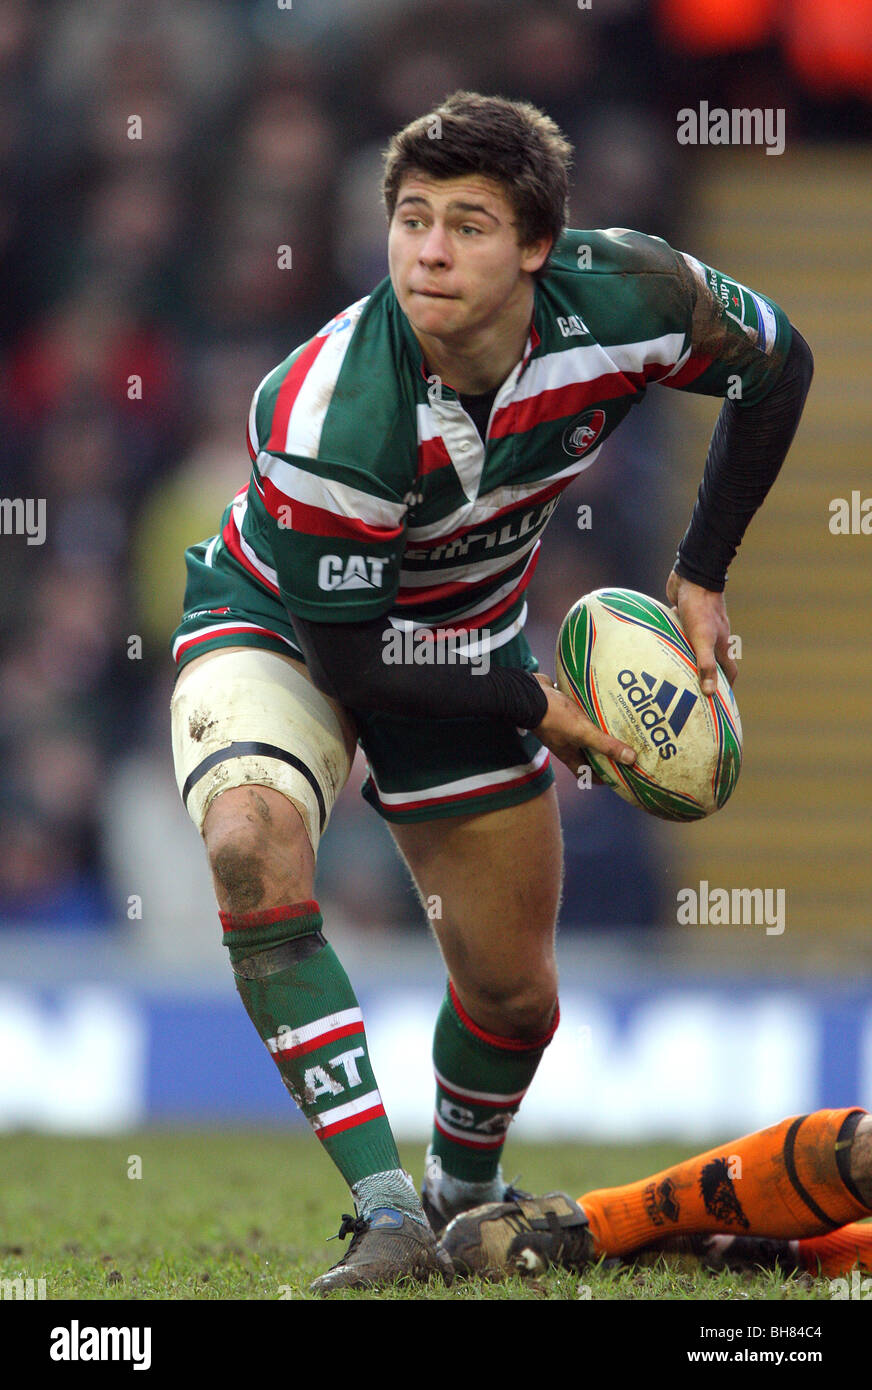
x: 155, y: 157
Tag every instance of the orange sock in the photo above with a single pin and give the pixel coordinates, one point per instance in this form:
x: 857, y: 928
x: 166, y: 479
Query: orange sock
x: 783, y: 1182
x: 840, y: 1251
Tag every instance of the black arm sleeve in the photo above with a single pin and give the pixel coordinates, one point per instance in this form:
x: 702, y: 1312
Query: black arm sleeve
x: 347, y: 661
x: 747, y: 449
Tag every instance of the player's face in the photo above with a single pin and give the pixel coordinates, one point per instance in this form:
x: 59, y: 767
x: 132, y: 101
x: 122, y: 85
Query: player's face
x: 455, y: 262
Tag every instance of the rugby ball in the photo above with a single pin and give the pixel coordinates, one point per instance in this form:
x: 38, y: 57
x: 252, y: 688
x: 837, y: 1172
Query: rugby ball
x: 624, y: 658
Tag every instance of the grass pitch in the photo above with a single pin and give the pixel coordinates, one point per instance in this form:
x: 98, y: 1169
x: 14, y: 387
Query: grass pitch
x: 222, y: 1215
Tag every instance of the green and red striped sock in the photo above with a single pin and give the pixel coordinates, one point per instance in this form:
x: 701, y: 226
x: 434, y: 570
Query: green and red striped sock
x: 303, y: 1006
x: 481, y: 1080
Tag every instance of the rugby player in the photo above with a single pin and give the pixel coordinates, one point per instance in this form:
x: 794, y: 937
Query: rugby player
x: 792, y: 1197
x: 405, y: 462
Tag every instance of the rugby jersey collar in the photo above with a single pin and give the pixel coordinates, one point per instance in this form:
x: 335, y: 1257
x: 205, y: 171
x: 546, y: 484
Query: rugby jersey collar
x: 417, y: 357
x: 444, y: 416
x: 533, y: 341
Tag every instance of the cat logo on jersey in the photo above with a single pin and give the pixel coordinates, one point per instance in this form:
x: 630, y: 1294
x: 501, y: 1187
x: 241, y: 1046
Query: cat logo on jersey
x: 583, y: 433
x: 354, y: 572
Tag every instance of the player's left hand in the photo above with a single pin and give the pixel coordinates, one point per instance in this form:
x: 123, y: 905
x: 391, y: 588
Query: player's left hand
x: 703, y: 615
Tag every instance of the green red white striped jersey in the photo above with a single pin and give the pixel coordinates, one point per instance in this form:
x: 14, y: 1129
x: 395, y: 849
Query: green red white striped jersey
x: 371, y: 491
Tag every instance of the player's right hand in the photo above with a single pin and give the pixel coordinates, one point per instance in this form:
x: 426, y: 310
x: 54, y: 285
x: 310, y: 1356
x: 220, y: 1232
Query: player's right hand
x: 567, y: 732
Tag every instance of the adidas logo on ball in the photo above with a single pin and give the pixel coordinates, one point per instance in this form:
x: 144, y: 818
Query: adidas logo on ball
x: 640, y: 693
x: 626, y: 661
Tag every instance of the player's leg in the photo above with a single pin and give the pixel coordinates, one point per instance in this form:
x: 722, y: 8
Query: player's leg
x: 832, y: 1253
x: 796, y: 1184
x: 471, y: 806
x: 260, y: 758
x: 791, y: 1180
x: 495, y: 879
x: 498, y: 899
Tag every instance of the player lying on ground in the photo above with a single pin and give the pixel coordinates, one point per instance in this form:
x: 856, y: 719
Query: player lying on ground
x: 405, y: 462
x: 788, y: 1197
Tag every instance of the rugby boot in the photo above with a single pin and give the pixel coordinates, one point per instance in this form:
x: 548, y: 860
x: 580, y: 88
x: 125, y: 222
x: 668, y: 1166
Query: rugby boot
x: 387, y: 1246
x: 523, y: 1236
x: 439, y: 1219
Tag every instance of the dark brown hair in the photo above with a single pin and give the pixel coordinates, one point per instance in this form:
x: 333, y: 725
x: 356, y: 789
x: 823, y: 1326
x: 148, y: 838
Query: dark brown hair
x: 512, y: 142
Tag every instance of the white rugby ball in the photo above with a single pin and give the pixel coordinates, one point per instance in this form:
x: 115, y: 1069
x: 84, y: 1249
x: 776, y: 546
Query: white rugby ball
x: 626, y: 661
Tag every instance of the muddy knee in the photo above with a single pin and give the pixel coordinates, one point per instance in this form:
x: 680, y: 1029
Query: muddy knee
x: 259, y: 851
